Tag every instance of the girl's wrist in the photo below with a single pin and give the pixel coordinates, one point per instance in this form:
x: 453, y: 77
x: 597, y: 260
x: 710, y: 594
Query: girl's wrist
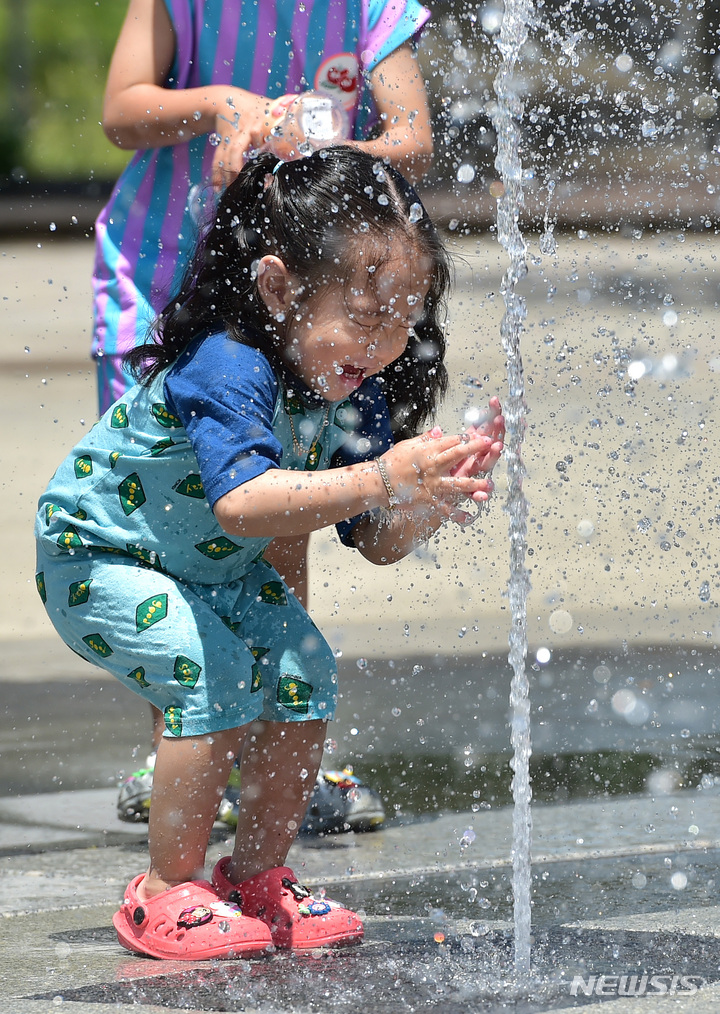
x: 393, y: 500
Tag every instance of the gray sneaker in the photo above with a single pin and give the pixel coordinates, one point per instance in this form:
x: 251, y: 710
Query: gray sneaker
x: 339, y: 802
x: 133, y: 803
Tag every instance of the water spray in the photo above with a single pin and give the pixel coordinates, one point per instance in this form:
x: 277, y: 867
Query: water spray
x: 507, y: 117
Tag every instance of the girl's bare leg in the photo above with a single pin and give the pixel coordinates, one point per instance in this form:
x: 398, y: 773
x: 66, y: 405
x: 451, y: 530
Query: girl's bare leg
x: 190, y: 776
x: 279, y: 765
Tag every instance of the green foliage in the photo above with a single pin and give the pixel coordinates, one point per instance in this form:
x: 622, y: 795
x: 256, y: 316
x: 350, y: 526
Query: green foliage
x: 55, y: 55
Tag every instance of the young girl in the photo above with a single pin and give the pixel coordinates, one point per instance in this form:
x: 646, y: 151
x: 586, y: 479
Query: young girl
x: 192, y: 86
x: 280, y: 395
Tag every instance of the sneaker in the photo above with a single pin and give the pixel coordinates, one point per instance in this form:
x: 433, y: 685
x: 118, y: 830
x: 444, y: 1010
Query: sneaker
x: 339, y: 802
x: 133, y: 802
x: 189, y: 922
x: 297, y: 920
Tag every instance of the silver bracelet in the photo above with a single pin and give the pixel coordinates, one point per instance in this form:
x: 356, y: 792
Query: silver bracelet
x: 392, y: 498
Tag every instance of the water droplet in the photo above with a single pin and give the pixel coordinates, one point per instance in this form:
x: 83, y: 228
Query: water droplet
x: 624, y: 63
x: 330, y: 745
x: 602, y: 674
x: 396, y: 712
x: 468, y: 837
x: 705, y: 591
x: 639, y: 880
x: 548, y: 244
x: 560, y: 621
x: 465, y: 173
x: 704, y: 106
x: 53, y: 227
x: 679, y: 880
x: 214, y: 139
x: 416, y: 212
x: 362, y: 663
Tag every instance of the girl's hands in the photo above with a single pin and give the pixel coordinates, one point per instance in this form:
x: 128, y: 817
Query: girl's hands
x: 433, y: 473
x: 493, y: 427
x: 248, y: 124
x: 243, y: 125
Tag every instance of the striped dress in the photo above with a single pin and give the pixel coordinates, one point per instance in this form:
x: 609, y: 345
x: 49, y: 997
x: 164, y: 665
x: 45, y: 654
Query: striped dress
x: 148, y: 229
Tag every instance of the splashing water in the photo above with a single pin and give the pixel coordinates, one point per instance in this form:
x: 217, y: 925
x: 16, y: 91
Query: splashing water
x: 507, y: 116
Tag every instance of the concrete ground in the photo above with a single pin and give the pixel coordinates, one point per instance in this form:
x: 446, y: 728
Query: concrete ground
x: 623, y: 553
x: 434, y: 940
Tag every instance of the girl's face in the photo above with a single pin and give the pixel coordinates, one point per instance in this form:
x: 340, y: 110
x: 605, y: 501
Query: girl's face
x: 349, y: 330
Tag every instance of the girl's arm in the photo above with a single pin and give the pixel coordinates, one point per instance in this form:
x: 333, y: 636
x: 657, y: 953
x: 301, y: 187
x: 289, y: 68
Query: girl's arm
x: 401, y: 100
x: 289, y: 503
x: 140, y: 112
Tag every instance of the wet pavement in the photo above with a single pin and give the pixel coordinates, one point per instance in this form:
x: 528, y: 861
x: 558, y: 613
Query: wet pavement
x: 623, y: 630
x: 611, y: 898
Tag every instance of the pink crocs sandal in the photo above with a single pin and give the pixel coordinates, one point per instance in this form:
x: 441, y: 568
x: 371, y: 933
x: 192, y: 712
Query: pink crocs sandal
x: 296, y: 919
x: 189, y: 922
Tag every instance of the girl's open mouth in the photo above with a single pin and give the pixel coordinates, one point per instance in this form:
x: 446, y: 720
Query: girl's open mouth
x: 353, y: 372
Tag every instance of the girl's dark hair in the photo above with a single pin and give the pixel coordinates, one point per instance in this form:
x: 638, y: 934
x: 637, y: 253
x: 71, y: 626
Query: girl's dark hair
x: 321, y: 215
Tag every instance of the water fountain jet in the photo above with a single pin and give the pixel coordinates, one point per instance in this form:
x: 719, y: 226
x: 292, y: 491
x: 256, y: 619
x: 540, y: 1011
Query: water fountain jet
x: 507, y: 117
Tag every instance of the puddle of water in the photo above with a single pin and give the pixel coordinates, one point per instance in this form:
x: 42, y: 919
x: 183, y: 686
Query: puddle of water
x: 463, y: 972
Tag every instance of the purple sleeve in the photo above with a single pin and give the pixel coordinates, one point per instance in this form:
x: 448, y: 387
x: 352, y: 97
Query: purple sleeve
x: 391, y: 23
x: 224, y: 393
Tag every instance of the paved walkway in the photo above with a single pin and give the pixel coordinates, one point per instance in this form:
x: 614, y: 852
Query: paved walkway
x: 620, y: 888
